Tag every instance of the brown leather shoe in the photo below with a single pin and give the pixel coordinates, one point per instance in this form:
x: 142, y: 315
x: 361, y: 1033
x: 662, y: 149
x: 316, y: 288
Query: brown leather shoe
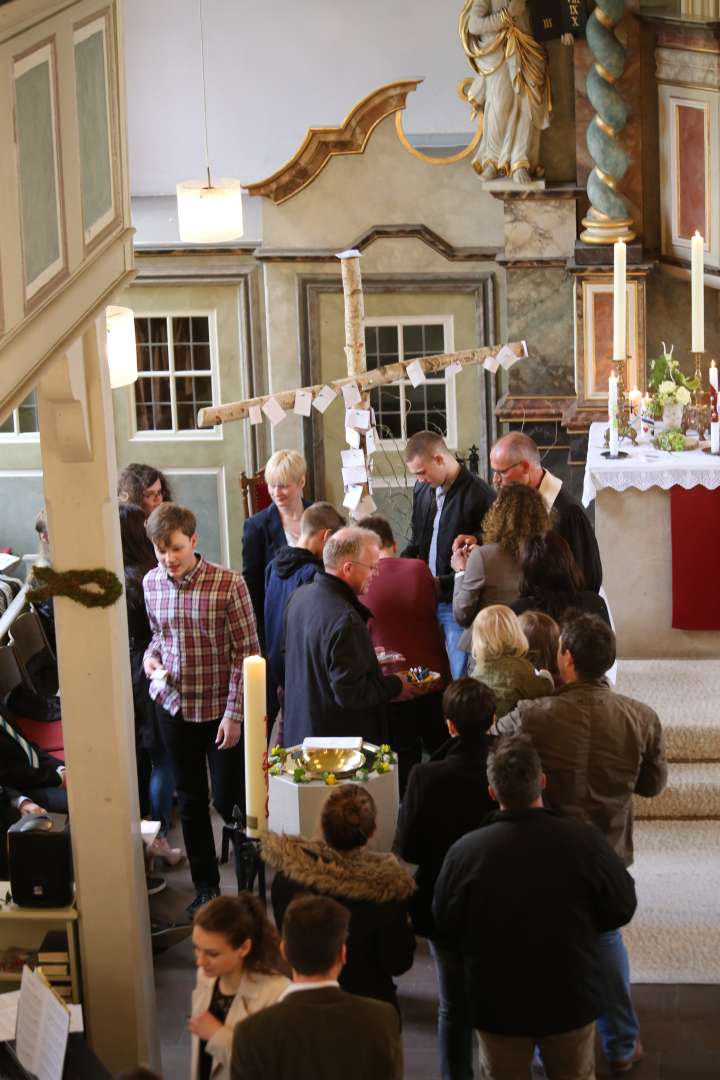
x: 626, y: 1064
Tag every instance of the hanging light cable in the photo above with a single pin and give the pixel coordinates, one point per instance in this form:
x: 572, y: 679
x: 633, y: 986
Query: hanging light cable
x: 208, y: 213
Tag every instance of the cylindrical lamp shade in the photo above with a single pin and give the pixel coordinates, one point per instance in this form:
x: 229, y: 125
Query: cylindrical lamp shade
x: 209, y: 215
x: 121, y: 348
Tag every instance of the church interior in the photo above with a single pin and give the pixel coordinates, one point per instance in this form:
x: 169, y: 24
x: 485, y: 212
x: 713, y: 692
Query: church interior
x: 542, y: 237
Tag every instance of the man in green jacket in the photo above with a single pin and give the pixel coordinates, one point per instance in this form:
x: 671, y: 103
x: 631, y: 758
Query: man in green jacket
x: 598, y: 749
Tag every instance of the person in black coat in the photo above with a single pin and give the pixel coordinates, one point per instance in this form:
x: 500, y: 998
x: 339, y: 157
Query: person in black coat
x: 333, y: 681
x: 372, y: 885
x: 515, y: 459
x: 291, y: 568
x: 525, y: 899
x: 28, y: 772
x: 266, y: 532
x: 448, y: 500
x: 446, y: 798
x: 551, y: 581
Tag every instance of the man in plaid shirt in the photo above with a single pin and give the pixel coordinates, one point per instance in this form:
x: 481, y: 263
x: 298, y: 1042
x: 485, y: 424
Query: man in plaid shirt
x: 203, y: 627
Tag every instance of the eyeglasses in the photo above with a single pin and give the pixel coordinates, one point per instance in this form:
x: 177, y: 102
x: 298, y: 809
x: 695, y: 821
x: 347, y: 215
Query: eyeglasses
x: 502, y: 472
x: 372, y: 567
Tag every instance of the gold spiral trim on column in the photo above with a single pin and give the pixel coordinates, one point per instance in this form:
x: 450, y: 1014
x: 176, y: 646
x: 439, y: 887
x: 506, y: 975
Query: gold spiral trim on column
x: 608, y: 180
x: 607, y: 128
x: 603, y: 18
x: 604, y: 73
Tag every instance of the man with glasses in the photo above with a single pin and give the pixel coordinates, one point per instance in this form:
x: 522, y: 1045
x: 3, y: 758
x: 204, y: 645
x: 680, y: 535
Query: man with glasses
x: 333, y: 681
x: 515, y: 459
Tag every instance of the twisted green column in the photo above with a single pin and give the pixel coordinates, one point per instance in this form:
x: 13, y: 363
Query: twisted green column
x: 609, y: 218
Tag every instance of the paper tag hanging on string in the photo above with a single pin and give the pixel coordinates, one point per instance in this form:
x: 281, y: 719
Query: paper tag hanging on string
x: 353, y: 495
x: 351, y: 395
x: 303, y: 402
x: 453, y: 369
x: 507, y: 357
x: 274, y: 411
x: 491, y: 364
x: 255, y: 413
x: 352, y: 438
x: 366, y: 506
x: 357, y: 418
x: 323, y: 398
x: 415, y: 373
x: 371, y: 441
x: 352, y: 457
x: 354, y: 474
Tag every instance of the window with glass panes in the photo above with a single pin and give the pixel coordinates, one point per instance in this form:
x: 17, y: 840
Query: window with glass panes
x: 174, y: 371
x: 402, y: 409
x: 23, y: 420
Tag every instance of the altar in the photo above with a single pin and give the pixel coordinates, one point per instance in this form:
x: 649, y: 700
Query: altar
x: 635, y: 523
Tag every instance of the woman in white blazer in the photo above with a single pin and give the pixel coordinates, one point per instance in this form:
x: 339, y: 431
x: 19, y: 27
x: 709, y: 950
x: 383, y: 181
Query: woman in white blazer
x: 239, y: 973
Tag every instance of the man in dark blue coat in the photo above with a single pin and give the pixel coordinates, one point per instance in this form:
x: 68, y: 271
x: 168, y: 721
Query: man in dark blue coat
x: 525, y: 899
x: 333, y: 681
x: 291, y: 568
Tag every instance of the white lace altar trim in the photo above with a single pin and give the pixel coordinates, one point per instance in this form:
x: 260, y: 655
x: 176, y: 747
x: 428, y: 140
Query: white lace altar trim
x: 645, y: 468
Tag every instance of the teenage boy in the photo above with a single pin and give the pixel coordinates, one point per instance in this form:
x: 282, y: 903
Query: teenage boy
x: 203, y: 627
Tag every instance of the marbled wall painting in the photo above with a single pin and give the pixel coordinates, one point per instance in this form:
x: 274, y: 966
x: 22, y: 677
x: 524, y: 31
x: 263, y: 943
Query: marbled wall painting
x: 691, y: 156
x: 38, y: 168
x: 94, y: 124
x: 540, y: 311
x: 597, y: 326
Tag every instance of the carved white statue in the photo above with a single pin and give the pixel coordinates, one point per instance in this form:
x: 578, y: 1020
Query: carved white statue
x: 512, y: 87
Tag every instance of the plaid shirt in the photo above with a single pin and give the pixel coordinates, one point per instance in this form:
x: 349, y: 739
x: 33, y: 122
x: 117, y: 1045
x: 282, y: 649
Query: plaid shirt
x: 203, y: 627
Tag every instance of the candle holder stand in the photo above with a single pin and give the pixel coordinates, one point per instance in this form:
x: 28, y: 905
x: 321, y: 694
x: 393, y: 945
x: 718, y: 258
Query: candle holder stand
x: 249, y: 864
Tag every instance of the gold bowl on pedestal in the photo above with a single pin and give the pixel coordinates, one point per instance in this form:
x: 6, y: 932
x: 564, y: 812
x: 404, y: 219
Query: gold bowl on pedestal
x: 341, y: 762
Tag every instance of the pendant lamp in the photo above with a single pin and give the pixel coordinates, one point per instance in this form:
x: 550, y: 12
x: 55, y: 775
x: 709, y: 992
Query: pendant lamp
x: 121, y: 349
x: 208, y: 213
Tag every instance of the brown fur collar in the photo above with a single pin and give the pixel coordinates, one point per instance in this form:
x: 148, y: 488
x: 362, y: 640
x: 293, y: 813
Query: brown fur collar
x: 356, y: 875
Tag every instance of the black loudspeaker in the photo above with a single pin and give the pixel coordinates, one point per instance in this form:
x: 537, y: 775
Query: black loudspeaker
x: 40, y: 861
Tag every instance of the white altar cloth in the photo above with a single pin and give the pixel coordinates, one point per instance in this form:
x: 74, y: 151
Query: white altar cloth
x: 645, y: 467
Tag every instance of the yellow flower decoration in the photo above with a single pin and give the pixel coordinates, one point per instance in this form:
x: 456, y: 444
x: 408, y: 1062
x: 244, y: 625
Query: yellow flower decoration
x: 330, y: 778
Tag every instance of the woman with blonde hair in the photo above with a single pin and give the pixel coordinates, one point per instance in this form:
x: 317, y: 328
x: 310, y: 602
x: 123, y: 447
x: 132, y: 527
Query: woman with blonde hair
x: 490, y: 573
x: 500, y: 651
x: 240, y: 972
x: 278, y: 525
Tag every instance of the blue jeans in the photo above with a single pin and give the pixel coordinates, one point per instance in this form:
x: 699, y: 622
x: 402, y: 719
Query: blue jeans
x: 618, y: 1026
x: 162, y: 788
x: 455, y: 1031
x: 458, y: 659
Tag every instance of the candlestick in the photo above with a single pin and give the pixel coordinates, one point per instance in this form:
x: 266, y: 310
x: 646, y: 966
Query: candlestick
x: 697, y: 293
x: 612, y: 414
x: 255, y: 734
x: 619, y: 302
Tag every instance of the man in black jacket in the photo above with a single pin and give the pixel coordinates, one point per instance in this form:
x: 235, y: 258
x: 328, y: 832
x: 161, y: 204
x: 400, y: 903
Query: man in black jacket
x: 333, y: 681
x: 446, y: 798
x: 28, y: 773
x: 316, y: 1029
x: 525, y: 899
x: 447, y: 501
x: 515, y: 459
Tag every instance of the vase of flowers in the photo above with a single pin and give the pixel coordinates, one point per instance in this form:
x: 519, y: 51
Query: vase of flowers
x: 673, y: 390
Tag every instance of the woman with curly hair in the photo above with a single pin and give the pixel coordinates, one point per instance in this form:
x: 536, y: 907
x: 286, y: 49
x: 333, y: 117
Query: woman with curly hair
x: 490, y: 573
x: 143, y: 486
x: 240, y: 972
x: 371, y: 884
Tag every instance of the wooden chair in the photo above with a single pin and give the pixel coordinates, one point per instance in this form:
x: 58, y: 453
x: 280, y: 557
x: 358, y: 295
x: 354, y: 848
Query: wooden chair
x: 10, y: 672
x: 255, y: 494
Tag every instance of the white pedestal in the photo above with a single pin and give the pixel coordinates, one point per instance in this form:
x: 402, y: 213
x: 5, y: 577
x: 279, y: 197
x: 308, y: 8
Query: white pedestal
x: 295, y: 808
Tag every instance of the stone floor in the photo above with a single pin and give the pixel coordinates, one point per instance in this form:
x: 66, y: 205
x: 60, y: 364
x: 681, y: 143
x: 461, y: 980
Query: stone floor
x: 679, y: 1023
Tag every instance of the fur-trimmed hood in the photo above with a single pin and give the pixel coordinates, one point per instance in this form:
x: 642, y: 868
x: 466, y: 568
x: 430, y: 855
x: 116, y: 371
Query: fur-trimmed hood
x: 356, y: 875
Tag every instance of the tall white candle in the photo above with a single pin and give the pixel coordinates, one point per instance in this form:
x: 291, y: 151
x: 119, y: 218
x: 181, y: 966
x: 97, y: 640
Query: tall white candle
x: 255, y: 733
x: 612, y: 414
x: 619, y: 302
x: 715, y: 438
x: 713, y: 376
x: 698, y: 294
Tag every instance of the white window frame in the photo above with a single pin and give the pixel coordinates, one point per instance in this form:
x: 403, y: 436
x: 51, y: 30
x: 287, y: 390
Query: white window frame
x: 213, y: 434
x: 448, y: 324
x: 16, y: 436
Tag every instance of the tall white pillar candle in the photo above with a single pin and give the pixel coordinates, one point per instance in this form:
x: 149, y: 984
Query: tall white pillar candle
x: 612, y: 414
x: 715, y: 437
x: 713, y: 376
x: 619, y: 302
x: 255, y: 734
x: 697, y: 292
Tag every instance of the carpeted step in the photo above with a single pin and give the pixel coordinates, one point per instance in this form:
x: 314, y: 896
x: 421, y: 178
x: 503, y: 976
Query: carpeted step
x: 686, y: 696
x: 675, y: 935
x: 693, y: 791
